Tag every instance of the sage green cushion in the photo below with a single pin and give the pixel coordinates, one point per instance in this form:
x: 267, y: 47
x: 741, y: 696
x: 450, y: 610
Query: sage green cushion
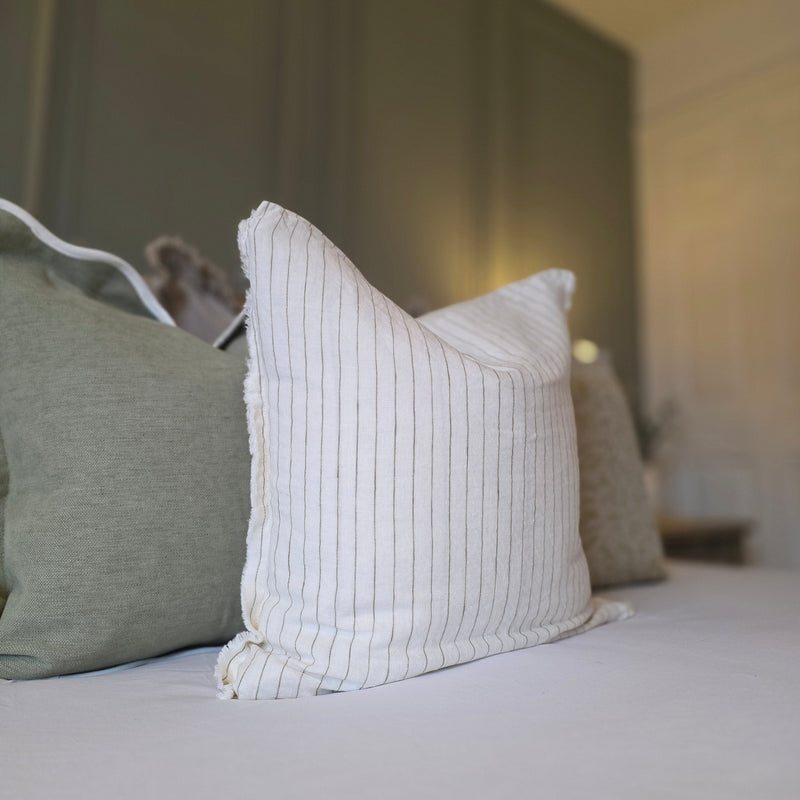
x: 126, y: 471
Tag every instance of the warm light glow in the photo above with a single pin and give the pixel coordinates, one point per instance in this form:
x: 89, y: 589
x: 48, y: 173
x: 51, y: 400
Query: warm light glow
x: 585, y: 351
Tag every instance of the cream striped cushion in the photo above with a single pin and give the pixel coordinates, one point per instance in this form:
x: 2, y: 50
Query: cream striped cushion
x: 415, y: 496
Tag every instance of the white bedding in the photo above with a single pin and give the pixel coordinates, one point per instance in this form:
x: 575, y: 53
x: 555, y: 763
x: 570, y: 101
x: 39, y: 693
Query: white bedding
x: 697, y: 696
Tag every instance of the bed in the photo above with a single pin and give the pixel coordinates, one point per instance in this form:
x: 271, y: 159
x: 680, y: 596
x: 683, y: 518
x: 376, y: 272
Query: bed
x: 375, y: 565
x: 695, y: 696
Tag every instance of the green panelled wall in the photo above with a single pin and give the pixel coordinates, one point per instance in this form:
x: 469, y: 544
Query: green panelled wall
x: 448, y: 147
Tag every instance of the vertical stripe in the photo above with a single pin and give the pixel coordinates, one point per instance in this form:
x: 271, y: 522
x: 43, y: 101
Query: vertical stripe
x: 489, y: 628
x: 394, y: 500
x: 318, y: 630
x: 467, y: 440
x: 305, y: 460
x: 413, y: 537
x: 258, y: 359
x: 509, y: 558
x: 271, y: 518
x: 355, y: 487
x: 374, y: 587
x: 450, y: 532
x: 289, y: 467
x: 337, y: 462
x: 431, y: 461
x: 482, y: 512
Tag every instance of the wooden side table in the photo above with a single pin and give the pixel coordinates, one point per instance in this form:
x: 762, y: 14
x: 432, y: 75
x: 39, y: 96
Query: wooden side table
x: 714, y: 539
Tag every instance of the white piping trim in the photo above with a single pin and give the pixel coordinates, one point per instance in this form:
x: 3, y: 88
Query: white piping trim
x: 89, y: 254
x: 223, y: 338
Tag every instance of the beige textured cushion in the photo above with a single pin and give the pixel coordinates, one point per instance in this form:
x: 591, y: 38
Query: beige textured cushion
x: 617, y: 527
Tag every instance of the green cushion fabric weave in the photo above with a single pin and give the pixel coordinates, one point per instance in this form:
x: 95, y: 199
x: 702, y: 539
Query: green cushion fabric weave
x: 125, y: 481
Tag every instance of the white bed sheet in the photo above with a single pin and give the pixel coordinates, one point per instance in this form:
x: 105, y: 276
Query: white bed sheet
x: 697, y: 696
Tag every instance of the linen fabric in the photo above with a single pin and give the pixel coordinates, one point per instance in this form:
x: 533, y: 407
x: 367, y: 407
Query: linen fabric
x: 414, y: 496
x: 617, y: 525
x: 126, y: 467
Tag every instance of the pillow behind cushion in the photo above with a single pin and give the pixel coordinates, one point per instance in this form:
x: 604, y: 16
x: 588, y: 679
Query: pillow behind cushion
x: 415, y: 496
x: 618, y: 530
x: 126, y: 447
